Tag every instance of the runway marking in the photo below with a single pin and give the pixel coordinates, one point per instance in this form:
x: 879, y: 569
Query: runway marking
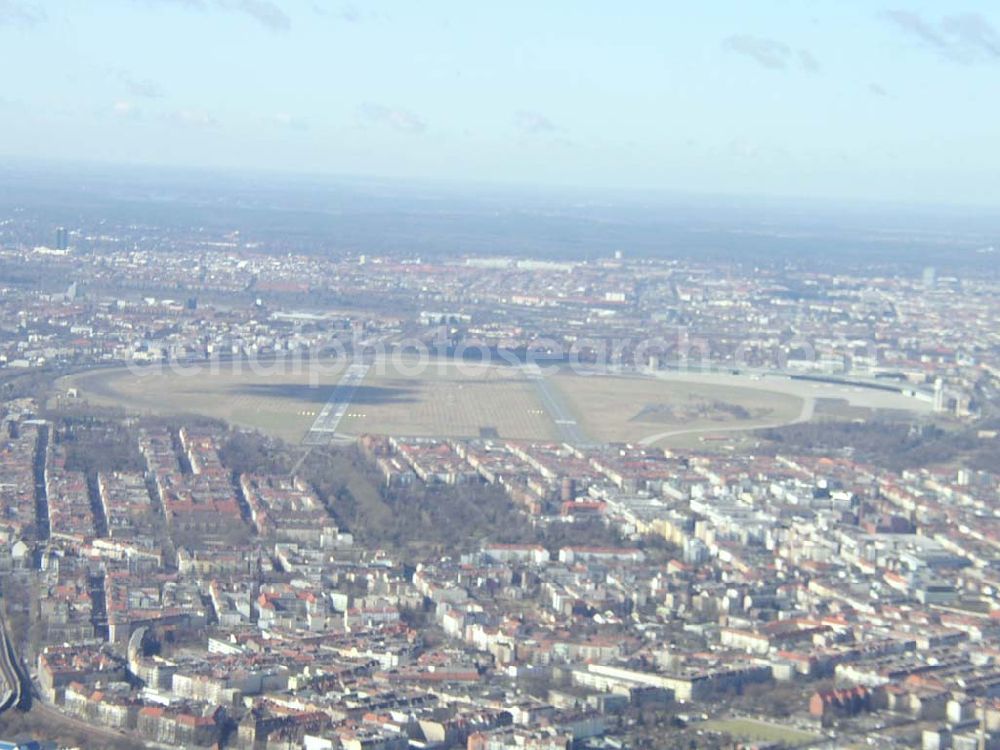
x: 324, y: 427
x: 567, y: 428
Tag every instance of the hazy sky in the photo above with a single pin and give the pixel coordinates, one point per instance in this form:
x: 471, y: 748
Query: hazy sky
x: 841, y: 98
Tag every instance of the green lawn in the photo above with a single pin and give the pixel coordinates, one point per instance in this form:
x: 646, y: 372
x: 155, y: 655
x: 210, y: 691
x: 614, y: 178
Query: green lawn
x: 760, y: 731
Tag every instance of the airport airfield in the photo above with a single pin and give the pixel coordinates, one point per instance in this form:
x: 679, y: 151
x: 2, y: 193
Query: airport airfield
x: 335, y: 400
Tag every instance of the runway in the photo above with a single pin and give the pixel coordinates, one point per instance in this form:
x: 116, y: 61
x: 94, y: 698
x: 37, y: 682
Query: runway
x: 567, y: 427
x: 324, y: 428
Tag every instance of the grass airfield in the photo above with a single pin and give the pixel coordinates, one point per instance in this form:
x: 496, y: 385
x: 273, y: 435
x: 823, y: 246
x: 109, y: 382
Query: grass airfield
x: 445, y: 398
x: 630, y: 408
x: 283, y: 403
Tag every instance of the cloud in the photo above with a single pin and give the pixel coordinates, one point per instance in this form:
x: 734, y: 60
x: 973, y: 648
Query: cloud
x: 808, y: 62
x: 347, y: 12
x: 196, y: 4
x: 770, y: 53
x: 767, y: 52
x: 265, y: 12
x: 141, y: 87
x: 286, y: 120
x: 914, y: 25
x: 962, y: 37
x: 16, y: 12
x: 194, y: 118
x: 741, y: 148
x: 125, y: 110
x: 533, y: 123
x: 877, y: 90
x: 398, y: 119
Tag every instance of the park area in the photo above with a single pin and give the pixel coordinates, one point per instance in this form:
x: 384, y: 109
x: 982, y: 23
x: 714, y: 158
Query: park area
x: 754, y: 730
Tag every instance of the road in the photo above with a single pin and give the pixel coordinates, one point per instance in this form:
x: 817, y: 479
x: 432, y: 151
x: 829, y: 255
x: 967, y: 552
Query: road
x: 23, y: 697
x: 56, y: 722
x: 805, y: 415
x: 16, y: 686
x: 9, y: 674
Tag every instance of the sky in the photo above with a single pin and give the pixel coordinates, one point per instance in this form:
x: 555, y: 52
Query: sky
x: 843, y: 99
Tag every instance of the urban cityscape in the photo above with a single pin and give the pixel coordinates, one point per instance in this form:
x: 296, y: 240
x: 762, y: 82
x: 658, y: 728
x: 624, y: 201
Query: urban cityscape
x: 379, y: 375
x: 377, y: 501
